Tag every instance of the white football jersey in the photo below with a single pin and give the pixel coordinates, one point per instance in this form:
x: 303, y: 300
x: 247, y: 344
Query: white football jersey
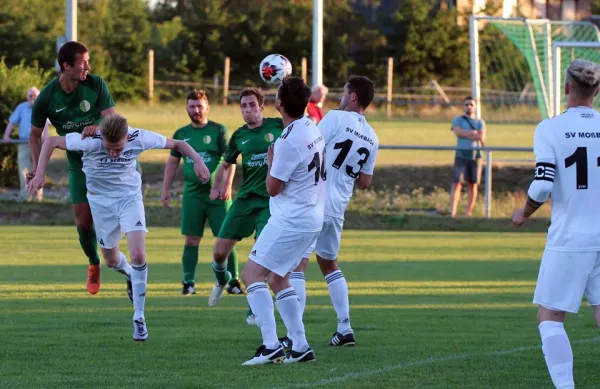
x: 299, y: 161
x: 114, y: 177
x: 567, y: 152
x: 351, y: 148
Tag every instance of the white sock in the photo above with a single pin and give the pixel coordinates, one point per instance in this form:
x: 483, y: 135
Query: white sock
x: 123, y: 266
x: 338, y: 290
x: 139, y: 278
x: 289, y: 309
x: 558, y: 353
x: 261, y: 304
x: 299, y: 284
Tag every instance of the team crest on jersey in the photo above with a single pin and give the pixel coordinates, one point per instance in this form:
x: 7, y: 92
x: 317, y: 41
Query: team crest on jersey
x: 207, y: 139
x: 127, y: 154
x: 85, y: 106
x: 269, y: 137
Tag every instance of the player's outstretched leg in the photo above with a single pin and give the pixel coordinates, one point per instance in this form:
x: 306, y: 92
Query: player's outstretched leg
x: 222, y: 249
x: 234, y: 286
x: 260, y: 301
x: 338, y: 290
x: 139, y: 279
x: 89, y: 244
x: 291, y: 314
x: 556, y: 348
x: 189, y: 261
x: 298, y: 282
x: 118, y: 261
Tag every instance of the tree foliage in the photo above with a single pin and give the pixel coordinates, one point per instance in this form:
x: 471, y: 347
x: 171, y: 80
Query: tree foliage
x: 14, y: 83
x: 191, y: 38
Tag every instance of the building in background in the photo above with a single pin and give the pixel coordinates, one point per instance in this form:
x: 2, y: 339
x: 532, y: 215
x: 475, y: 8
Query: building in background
x: 532, y: 9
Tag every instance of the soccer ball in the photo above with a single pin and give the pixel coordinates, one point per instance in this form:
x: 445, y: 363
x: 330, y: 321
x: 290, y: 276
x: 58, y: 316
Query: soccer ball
x: 274, y: 68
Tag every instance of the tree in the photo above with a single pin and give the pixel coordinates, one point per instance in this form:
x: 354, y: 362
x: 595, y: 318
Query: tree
x: 14, y: 83
x: 117, y: 32
x: 28, y: 31
x: 429, y: 44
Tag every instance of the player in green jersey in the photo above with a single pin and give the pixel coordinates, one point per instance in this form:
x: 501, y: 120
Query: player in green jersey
x: 74, y: 101
x: 209, y: 139
x: 250, y: 211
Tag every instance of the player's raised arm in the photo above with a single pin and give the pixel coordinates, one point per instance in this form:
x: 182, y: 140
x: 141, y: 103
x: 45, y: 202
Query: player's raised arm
x: 199, y: 167
x: 50, y: 144
x: 543, y: 180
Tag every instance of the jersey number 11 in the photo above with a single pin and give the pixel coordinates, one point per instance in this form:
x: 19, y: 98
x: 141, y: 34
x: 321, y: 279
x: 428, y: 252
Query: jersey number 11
x: 579, y: 159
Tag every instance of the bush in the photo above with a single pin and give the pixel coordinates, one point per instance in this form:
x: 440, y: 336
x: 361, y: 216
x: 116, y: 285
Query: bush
x: 14, y: 83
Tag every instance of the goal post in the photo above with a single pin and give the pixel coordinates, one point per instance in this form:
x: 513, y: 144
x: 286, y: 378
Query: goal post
x: 563, y: 53
x: 512, y: 71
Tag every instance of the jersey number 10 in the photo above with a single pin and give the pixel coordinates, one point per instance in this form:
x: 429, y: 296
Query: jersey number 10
x: 318, y: 163
x: 579, y: 159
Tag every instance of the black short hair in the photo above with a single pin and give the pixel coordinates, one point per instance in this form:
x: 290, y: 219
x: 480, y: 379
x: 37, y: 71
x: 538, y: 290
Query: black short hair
x: 69, y: 51
x: 294, y: 95
x: 468, y: 98
x: 364, y: 89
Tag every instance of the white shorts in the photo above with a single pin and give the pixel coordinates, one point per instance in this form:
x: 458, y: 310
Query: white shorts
x: 327, y: 244
x: 114, y: 216
x: 280, y: 251
x: 565, y: 277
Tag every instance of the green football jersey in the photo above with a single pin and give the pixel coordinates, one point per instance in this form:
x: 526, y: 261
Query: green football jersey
x: 210, y: 142
x: 253, y: 145
x: 71, y: 112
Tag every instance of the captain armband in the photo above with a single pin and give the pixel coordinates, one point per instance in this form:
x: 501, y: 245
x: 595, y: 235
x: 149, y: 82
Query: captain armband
x: 542, y: 184
x: 544, y: 171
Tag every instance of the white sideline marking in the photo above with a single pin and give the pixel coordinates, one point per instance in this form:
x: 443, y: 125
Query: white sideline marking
x: 428, y: 361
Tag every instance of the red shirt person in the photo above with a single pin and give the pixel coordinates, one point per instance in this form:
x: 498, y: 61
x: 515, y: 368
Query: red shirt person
x: 313, y: 109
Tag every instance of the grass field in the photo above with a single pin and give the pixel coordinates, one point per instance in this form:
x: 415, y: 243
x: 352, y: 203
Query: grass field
x: 430, y: 310
x: 166, y: 118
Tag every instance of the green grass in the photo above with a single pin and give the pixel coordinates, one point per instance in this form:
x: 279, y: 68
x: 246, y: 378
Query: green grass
x: 430, y: 310
x: 166, y: 118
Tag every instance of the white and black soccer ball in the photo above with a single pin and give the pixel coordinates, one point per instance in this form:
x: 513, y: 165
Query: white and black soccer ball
x: 274, y: 68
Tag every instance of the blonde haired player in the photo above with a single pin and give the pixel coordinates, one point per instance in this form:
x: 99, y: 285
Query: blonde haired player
x: 567, y: 153
x: 114, y: 192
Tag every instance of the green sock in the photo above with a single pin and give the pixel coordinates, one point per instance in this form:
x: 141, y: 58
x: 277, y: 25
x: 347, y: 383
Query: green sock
x: 189, y: 261
x: 221, y: 273
x: 89, y: 244
x: 232, y: 265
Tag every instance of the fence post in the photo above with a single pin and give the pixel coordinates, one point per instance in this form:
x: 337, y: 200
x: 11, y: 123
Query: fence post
x: 488, y: 184
x: 390, y: 75
x: 304, y: 69
x: 226, y: 81
x: 151, y: 76
x: 215, y: 85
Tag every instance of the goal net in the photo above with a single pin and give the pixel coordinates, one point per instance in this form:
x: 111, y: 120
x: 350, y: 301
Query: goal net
x: 512, y: 74
x: 563, y: 53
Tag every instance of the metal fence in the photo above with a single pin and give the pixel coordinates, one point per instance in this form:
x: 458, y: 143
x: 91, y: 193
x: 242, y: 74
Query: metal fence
x: 488, y: 161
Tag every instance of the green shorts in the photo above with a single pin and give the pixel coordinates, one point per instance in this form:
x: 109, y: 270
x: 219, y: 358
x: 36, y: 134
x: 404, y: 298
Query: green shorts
x: 77, y: 188
x: 245, y: 216
x: 196, y: 208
